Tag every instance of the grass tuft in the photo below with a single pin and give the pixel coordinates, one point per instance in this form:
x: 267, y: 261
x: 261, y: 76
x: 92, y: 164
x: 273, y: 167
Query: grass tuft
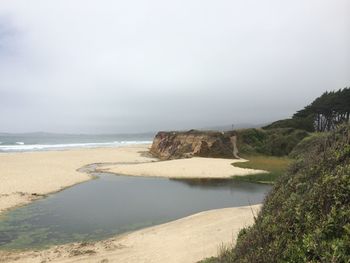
x: 276, y: 166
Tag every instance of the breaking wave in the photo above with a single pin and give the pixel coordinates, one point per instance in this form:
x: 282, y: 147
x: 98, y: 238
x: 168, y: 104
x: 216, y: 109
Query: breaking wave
x: 21, y: 147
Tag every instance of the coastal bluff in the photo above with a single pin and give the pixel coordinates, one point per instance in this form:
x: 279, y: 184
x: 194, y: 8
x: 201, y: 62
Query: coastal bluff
x: 175, y: 145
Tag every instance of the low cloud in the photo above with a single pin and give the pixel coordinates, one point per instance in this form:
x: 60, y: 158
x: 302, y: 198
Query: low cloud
x: 133, y: 66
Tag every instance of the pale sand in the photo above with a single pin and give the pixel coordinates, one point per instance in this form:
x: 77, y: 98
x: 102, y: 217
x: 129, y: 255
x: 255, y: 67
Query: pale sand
x: 184, y: 168
x: 188, y: 239
x: 26, y: 176
x: 40, y: 173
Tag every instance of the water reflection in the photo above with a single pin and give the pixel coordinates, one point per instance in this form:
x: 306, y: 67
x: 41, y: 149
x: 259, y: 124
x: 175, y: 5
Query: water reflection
x: 114, y: 204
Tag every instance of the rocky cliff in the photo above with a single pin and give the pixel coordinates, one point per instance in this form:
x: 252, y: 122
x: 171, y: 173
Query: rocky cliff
x: 172, y: 145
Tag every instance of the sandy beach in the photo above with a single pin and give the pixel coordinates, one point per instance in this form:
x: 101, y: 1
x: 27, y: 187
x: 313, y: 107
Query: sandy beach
x: 184, y: 168
x: 27, y: 176
x: 186, y: 240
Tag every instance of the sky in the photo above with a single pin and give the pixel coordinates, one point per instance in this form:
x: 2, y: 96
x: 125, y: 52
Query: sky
x: 106, y: 66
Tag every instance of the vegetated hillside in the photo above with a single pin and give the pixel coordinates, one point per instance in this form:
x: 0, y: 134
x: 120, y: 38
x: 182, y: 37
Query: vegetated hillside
x: 304, y: 146
x: 306, y: 124
x: 306, y: 217
x: 274, y: 142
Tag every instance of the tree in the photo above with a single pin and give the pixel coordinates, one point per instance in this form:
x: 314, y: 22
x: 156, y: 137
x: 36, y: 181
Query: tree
x: 328, y: 110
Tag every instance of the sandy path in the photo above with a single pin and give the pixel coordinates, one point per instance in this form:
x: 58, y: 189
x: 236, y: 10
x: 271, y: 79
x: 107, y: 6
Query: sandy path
x: 184, y: 168
x: 189, y: 239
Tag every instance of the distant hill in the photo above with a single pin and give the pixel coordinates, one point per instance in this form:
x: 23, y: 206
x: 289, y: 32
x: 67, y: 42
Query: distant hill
x: 49, y: 134
x: 229, y: 127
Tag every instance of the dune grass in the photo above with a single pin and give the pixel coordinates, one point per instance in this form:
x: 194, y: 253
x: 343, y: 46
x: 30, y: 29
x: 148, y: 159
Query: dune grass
x: 275, y: 166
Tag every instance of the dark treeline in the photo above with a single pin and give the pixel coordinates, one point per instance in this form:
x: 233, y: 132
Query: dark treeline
x: 328, y: 110
x: 323, y: 114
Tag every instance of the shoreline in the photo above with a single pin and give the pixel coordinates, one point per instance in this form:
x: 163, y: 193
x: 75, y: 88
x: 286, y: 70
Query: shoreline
x: 30, y: 176
x: 27, y: 176
x: 48, y: 175
x: 191, y: 168
x: 185, y: 240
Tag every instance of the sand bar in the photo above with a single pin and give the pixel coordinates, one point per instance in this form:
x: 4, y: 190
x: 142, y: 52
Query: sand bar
x: 26, y: 176
x: 184, y: 168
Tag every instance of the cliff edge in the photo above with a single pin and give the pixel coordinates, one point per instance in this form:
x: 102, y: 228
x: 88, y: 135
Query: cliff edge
x: 174, y: 145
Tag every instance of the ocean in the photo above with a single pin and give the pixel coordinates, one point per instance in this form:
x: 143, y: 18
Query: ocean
x: 48, y: 141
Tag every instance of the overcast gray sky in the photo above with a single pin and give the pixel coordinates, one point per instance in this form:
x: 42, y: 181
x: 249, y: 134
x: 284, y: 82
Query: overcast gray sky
x: 119, y: 66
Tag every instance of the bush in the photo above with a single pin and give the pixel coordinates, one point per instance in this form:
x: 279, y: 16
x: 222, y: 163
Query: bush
x: 306, y: 124
x: 274, y: 142
x: 306, y: 144
x: 306, y: 216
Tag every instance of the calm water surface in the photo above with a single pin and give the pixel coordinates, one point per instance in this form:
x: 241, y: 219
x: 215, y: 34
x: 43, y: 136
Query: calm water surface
x: 112, y: 205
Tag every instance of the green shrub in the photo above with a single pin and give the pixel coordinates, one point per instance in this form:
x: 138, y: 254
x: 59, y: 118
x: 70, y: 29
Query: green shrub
x: 306, y: 123
x: 274, y: 142
x: 306, y: 216
x: 305, y: 145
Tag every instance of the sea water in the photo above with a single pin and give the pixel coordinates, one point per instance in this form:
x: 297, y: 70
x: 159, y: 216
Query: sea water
x: 48, y: 141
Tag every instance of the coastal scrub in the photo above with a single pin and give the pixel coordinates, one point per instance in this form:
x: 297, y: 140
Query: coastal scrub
x: 306, y: 216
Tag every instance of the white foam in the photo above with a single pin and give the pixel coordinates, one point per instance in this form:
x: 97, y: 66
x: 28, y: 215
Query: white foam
x: 43, y: 147
x: 20, y: 143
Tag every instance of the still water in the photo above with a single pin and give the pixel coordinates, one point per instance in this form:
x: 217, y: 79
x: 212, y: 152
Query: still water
x: 111, y: 205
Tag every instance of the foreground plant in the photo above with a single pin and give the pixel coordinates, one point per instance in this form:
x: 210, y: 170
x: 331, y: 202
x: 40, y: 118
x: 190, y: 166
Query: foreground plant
x: 306, y: 217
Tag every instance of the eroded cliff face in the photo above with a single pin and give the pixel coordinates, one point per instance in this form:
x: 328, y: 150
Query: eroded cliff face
x: 173, y: 145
